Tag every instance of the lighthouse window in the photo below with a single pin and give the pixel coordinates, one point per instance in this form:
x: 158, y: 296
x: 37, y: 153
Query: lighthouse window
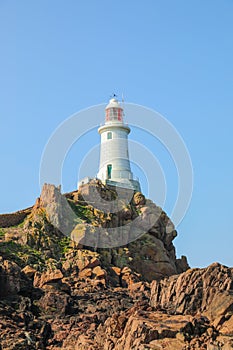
x: 109, y: 135
x: 109, y: 171
x: 113, y: 113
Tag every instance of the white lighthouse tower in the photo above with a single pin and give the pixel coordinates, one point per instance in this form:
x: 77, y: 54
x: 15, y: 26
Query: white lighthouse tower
x: 114, y: 167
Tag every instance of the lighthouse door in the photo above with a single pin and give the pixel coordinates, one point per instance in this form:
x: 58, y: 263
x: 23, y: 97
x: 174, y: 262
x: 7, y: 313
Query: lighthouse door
x: 109, y: 169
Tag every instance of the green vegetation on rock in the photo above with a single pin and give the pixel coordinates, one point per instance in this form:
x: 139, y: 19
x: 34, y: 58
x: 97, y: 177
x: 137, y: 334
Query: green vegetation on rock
x: 83, y: 212
x: 65, y: 245
x: 2, y: 233
x: 22, y: 254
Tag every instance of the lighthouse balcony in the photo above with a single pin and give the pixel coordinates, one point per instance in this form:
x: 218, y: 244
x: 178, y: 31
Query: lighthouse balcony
x: 116, y: 125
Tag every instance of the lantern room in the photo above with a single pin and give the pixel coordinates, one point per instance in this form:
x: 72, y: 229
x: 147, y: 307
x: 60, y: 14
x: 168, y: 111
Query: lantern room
x: 113, y: 112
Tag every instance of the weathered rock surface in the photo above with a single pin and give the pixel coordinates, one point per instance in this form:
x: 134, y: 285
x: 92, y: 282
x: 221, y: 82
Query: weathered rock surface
x: 56, y: 293
x: 145, y: 229
x: 208, y: 291
x: 74, y: 311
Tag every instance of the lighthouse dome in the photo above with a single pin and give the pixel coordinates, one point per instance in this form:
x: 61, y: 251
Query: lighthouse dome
x: 113, y: 103
x: 113, y: 112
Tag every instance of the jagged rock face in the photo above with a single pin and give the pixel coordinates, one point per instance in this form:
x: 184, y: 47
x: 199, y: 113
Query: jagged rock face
x: 205, y: 323
x: 96, y: 300
x: 196, y: 290
x: 70, y: 310
x: 151, y: 259
x: 139, y: 225
x: 12, y: 280
x: 207, y: 291
x: 60, y: 294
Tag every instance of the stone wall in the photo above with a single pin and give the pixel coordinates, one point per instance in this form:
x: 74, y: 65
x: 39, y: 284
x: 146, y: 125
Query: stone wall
x: 14, y: 219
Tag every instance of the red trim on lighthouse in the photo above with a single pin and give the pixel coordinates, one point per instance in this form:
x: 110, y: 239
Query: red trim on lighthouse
x: 107, y: 114
x: 119, y: 114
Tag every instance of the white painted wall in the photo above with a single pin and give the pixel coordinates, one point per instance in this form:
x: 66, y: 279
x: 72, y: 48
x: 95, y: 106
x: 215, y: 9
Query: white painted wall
x: 114, y: 151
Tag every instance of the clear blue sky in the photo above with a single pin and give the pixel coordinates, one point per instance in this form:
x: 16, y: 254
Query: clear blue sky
x: 176, y: 57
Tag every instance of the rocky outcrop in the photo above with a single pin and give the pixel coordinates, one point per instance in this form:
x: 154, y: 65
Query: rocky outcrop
x: 14, y: 219
x: 145, y: 329
x: 208, y: 291
x: 133, y: 232
x: 205, y: 323
x: 80, y: 305
x: 58, y: 293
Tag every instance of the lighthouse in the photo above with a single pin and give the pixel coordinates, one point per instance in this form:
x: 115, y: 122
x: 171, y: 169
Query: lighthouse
x: 114, y: 167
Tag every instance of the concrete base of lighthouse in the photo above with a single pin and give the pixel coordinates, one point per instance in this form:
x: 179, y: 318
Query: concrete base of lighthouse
x: 132, y: 185
x: 127, y: 184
